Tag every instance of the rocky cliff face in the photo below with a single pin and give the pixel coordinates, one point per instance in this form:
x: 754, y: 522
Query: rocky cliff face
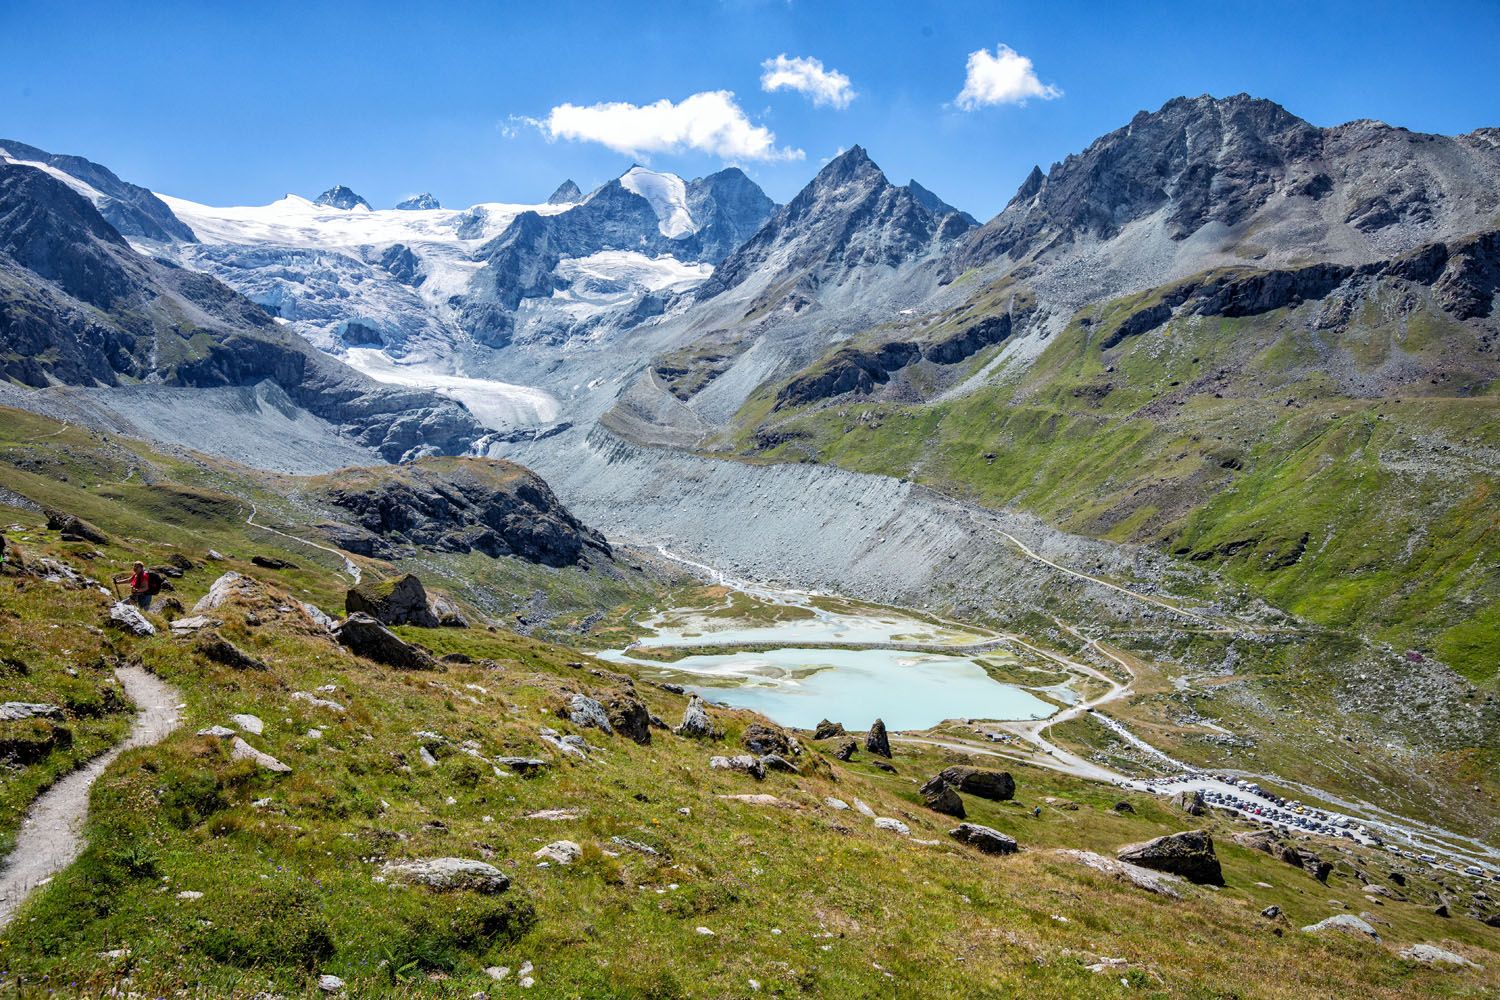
x: 849, y: 217
x: 1247, y: 173
x: 79, y: 306
x: 131, y: 209
x: 419, y: 203
x: 457, y: 505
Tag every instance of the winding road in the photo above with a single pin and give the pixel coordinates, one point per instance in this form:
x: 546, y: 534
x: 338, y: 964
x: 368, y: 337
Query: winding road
x: 51, y: 835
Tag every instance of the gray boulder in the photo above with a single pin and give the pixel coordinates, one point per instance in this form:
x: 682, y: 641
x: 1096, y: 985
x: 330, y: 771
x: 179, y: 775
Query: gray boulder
x: 585, y: 711
x: 1346, y: 922
x: 630, y: 717
x: 15, y: 711
x: 447, y: 875
x: 846, y: 750
x: 76, y: 527
x: 744, y: 763
x: 776, y: 762
x: 128, y: 618
x: 877, y: 742
x: 1190, y: 801
x: 997, y: 786
x: 762, y: 739
x: 939, y: 796
x: 695, y: 722
x: 364, y: 636
x: 1189, y: 854
x: 988, y: 840
x: 1429, y: 954
x: 400, y: 602
x: 827, y: 730
x: 240, y: 750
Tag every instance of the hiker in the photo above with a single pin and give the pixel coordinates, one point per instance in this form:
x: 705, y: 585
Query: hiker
x: 140, y: 584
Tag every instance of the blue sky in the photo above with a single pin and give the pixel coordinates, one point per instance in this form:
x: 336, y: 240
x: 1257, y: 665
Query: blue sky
x: 237, y: 103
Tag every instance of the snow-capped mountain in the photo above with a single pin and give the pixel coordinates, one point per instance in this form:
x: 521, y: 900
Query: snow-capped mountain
x: 339, y: 196
x: 418, y: 202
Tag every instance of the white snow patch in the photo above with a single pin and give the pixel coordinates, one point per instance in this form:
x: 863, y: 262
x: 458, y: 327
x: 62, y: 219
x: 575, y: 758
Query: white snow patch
x: 497, y: 405
x: 668, y: 197
x: 294, y: 221
x: 87, y: 190
x: 610, y: 278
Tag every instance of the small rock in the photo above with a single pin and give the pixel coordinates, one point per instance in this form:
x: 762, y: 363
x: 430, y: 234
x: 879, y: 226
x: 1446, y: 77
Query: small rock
x: 189, y: 894
x: 554, y: 815
x: 893, y: 825
x: 759, y: 799
x: 271, y: 562
x: 523, y: 766
x: 833, y: 803
x: 15, y: 711
x: 309, y: 698
x: 704, y: 931
x: 563, y: 852
x: 447, y: 875
x: 248, y: 723
x: 212, y: 646
x: 1429, y: 954
x: 240, y: 750
x: 776, y: 762
x: 863, y: 809
x: 330, y: 984
x: 743, y: 763
x: 366, y: 637
x: 846, y: 750
x: 1346, y: 922
x: 221, y: 732
x: 1271, y: 912
x: 497, y: 972
x: 426, y: 757
x: 1123, y: 807
x: 193, y: 624
x: 1190, y: 801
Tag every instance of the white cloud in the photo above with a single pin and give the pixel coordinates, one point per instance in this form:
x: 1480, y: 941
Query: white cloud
x: 710, y: 122
x: 1007, y: 77
x: 824, y: 86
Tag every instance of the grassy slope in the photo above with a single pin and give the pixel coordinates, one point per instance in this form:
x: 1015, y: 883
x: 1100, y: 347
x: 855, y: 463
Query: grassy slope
x: 288, y: 887
x: 1133, y: 445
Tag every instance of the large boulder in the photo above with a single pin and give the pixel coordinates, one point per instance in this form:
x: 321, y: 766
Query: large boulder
x: 1190, y: 801
x: 1189, y: 854
x: 74, y: 528
x: 447, y: 875
x: 1345, y: 922
x: 584, y: 711
x: 827, y: 729
x: 393, y: 602
x: 744, y: 763
x: 630, y: 717
x: 876, y: 741
x: 128, y: 618
x: 364, y: 636
x: 939, y: 796
x: 846, y: 749
x: 761, y: 739
x: 230, y: 588
x: 988, y: 840
x: 695, y: 722
x: 998, y: 786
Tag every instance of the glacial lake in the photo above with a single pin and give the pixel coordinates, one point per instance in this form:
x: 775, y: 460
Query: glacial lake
x: 799, y: 687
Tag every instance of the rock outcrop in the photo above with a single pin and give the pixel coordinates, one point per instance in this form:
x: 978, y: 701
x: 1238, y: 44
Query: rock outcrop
x: 393, y: 602
x: 876, y: 740
x: 447, y: 875
x: 458, y: 505
x: 1189, y: 854
x: 986, y: 839
x: 366, y: 637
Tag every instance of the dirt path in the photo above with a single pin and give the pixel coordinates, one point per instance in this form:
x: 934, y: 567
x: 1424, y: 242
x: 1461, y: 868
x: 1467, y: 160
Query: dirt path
x: 349, y: 567
x: 50, y: 836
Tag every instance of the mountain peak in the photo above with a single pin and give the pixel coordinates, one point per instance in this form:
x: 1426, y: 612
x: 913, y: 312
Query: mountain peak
x: 567, y: 192
x: 339, y: 196
x: 416, y: 203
